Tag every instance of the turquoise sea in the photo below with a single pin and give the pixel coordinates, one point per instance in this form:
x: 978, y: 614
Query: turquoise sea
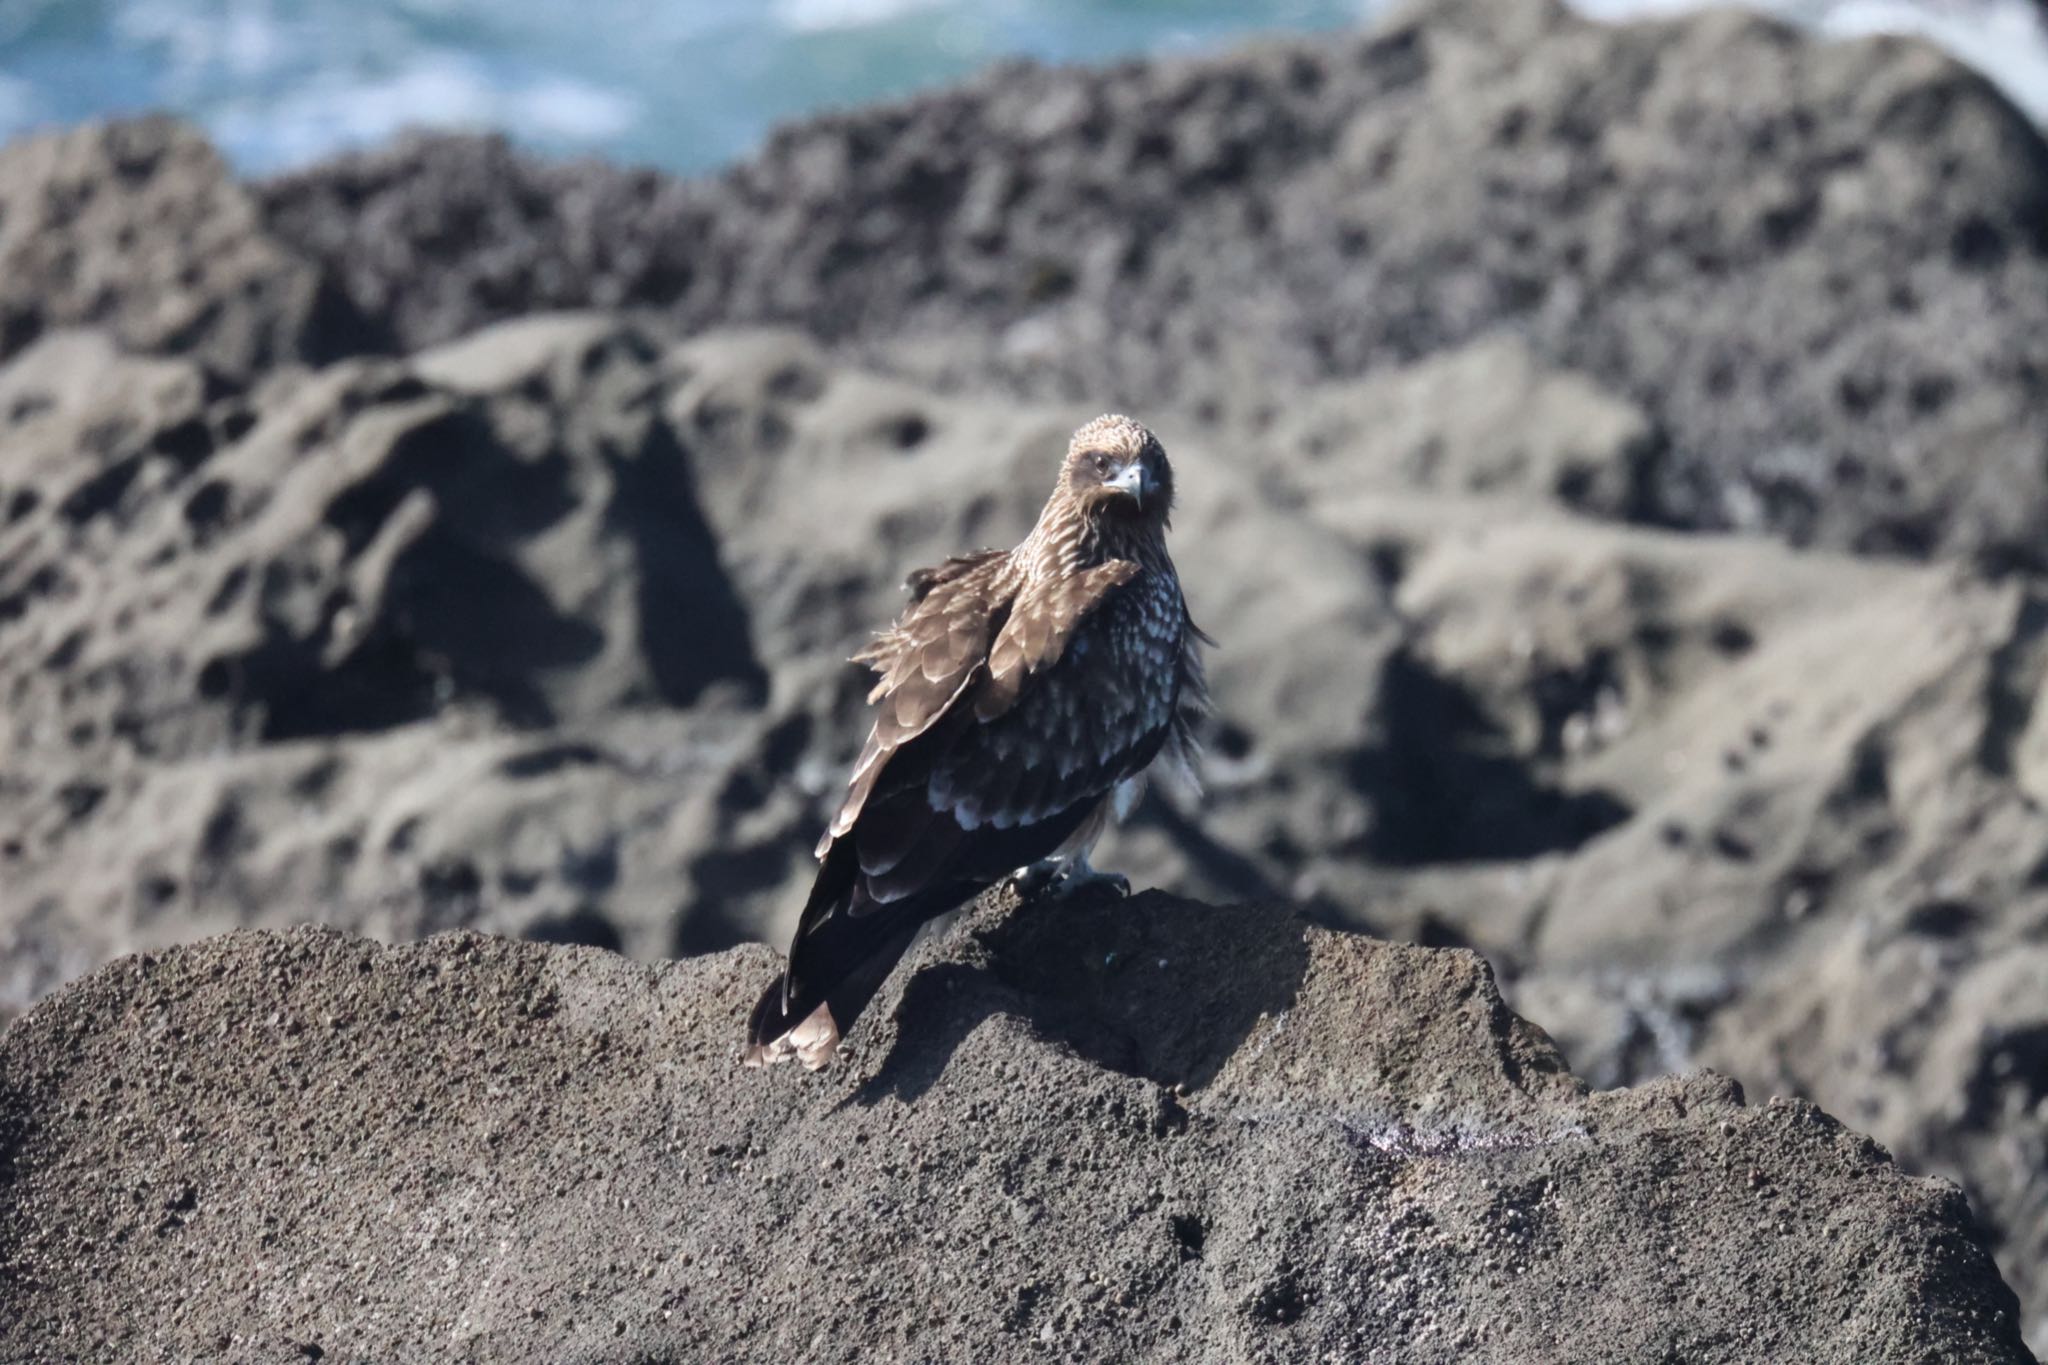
x: 684, y: 84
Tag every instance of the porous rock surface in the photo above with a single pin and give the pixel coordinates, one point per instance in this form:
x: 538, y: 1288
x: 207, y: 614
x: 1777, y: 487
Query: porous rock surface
x: 1609, y: 457
x: 1147, y: 1130
x: 138, y: 227
x: 1818, y: 266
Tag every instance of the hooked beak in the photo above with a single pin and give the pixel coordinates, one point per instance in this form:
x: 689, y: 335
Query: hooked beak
x: 1135, y: 480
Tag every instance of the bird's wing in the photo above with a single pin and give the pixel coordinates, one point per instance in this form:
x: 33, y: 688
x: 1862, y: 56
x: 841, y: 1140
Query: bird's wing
x: 946, y: 800
x: 921, y: 581
x: 941, y: 648
x: 1036, y: 635
x: 924, y: 661
x: 1032, y: 743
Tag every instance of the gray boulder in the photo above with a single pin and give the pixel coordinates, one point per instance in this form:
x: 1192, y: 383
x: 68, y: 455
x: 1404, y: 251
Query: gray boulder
x: 1149, y: 1130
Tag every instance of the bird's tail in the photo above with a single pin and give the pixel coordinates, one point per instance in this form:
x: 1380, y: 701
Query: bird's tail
x: 836, y: 964
x: 793, y: 1019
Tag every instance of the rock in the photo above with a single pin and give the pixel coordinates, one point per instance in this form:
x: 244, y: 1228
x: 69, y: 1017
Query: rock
x: 604, y: 834
x: 382, y: 540
x: 1820, y: 863
x: 1924, y: 1025
x: 493, y: 550
x: 1486, y: 419
x: 807, y: 474
x: 1607, y: 462
x: 1466, y: 717
x: 443, y: 235
x: 1764, y: 729
x: 1815, y: 267
x: 327, y: 1147
x: 137, y: 226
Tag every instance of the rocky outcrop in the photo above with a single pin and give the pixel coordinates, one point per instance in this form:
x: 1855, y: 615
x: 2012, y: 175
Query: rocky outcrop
x: 1646, y: 773
x: 1817, y: 267
x: 504, y: 623
x: 140, y: 228
x: 1154, y: 1129
x: 441, y: 539
x: 218, y: 614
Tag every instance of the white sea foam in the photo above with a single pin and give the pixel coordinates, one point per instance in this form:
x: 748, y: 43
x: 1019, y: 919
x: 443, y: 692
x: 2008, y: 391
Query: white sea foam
x: 820, y: 16
x: 432, y: 90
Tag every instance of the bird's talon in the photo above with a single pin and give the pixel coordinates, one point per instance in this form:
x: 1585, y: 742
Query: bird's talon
x: 1029, y: 883
x: 1082, y: 880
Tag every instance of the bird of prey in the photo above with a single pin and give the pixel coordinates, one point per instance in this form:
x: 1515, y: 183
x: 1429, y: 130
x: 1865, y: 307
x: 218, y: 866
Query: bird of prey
x: 1022, y: 695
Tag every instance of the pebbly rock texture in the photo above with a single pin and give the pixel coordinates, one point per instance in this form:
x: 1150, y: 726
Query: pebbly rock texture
x: 441, y: 539
x: 1154, y: 1130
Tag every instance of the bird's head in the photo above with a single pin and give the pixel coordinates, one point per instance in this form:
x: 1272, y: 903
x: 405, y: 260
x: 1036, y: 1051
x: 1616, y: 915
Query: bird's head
x: 1116, y: 469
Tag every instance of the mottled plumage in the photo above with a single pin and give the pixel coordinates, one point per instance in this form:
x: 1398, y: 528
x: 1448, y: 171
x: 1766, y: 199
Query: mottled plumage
x: 1015, y: 693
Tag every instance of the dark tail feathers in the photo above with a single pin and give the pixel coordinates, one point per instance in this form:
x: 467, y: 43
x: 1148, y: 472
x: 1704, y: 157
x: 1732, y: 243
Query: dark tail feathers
x: 836, y: 964
x: 805, y: 1017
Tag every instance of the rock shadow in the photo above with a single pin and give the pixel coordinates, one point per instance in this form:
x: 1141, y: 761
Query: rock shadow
x: 455, y: 616
x: 1448, y: 788
x: 694, y: 629
x: 1153, y: 986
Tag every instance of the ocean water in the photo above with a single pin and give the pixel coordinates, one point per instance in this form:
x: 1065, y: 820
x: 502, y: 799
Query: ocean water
x: 682, y: 84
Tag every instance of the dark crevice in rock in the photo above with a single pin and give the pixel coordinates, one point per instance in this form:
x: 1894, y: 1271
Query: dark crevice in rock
x: 1447, y: 789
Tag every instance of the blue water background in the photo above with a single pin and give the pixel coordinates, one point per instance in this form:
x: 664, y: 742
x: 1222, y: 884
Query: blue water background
x: 685, y: 84
x: 682, y: 84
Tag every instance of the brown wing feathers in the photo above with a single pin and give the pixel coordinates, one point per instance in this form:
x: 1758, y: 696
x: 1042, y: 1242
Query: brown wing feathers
x: 924, y: 662
x: 922, y: 581
x: 898, y: 851
x: 904, y: 822
x: 1039, y: 628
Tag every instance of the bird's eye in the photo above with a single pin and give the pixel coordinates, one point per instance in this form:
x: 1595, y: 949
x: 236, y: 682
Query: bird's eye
x: 1099, y: 462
